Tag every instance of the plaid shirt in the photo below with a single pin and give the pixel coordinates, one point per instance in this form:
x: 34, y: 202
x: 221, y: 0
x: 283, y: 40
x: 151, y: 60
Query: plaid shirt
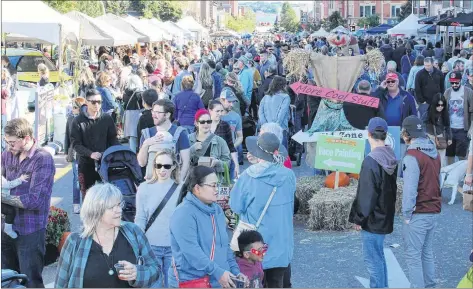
x: 224, y: 131
x: 35, y: 194
x: 74, y: 255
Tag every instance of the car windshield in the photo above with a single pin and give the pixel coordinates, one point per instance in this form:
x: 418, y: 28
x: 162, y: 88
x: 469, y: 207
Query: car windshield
x: 30, y: 63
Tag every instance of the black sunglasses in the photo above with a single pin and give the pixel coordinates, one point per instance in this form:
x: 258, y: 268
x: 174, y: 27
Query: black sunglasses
x: 390, y: 81
x: 440, y: 105
x: 95, y: 101
x: 205, y: 121
x: 455, y: 83
x: 159, y: 166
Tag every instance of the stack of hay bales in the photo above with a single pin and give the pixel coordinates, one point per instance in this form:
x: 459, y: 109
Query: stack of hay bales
x: 306, y: 188
x: 400, y: 183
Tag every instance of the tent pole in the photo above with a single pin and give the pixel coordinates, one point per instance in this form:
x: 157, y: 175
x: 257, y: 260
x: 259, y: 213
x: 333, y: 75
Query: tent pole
x: 60, y: 50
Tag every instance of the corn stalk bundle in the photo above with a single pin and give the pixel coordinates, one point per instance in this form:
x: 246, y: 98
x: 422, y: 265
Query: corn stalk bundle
x: 375, y: 61
x: 295, y: 63
x: 400, y: 184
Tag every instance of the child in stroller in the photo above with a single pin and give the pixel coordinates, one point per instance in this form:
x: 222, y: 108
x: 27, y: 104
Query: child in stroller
x: 120, y: 167
x: 8, y: 210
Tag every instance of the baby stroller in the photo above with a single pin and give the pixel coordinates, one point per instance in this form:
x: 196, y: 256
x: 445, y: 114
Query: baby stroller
x: 12, y: 279
x: 120, y: 167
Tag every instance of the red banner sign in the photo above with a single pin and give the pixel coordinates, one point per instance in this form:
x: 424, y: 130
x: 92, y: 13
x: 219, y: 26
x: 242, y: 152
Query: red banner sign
x: 334, y: 94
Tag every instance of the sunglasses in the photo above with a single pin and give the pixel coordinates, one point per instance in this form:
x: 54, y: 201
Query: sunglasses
x: 261, y: 251
x: 440, y: 105
x: 455, y: 83
x: 205, y: 121
x: 391, y: 81
x: 165, y: 166
x: 95, y: 101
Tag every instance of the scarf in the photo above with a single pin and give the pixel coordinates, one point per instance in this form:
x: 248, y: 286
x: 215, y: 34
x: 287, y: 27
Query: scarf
x: 330, y: 117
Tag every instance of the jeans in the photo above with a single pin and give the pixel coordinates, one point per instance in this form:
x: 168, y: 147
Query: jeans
x: 232, y: 169
x: 418, y: 238
x: 133, y: 143
x: 25, y: 254
x: 240, y: 153
x: 373, y: 254
x: 75, y: 184
x: 164, y: 256
x: 284, y: 139
x: 400, y: 167
x: 274, y: 277
x: 423, y: 111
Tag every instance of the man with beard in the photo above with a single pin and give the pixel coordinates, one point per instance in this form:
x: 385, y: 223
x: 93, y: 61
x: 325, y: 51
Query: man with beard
x: 458, y: 67
x: 162, y: 112
x: 25, y: 254
x: 460, y: 105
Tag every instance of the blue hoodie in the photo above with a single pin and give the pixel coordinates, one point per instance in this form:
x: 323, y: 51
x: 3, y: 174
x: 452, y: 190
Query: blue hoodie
x: 191, y: 241
x: 248, y: 198
x: 246, y: 79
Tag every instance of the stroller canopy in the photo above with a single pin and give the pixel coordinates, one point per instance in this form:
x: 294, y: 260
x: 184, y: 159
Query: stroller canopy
x: 119, y: 155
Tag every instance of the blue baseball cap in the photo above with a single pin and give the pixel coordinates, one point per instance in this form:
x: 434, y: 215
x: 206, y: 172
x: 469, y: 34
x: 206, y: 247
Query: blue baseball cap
x: 377, y: 124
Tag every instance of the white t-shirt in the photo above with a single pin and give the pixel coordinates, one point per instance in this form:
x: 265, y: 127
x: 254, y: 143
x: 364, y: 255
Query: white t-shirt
x: 455, y: 108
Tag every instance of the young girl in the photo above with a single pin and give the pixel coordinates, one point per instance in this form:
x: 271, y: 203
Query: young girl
x: 250, y: 257
x: 438, y: 123
x: 8, y: 210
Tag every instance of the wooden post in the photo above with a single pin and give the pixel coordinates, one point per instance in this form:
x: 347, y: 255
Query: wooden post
x: 337, y: 179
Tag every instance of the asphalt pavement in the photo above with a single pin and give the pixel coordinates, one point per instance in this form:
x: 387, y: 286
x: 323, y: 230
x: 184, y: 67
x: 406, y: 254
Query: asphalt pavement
x: 334, y: 259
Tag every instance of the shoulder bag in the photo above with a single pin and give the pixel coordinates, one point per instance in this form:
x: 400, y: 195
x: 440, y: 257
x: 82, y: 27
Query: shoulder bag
x: 161, y: 206
x: 244, y: 226
x: 203, y: 282
x: 440, y: 142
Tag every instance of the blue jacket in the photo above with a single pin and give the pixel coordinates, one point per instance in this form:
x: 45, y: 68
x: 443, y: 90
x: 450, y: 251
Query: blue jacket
x: 263, y: 68
x: 408, y: 106
x: 176, y: 86
x: 411, y: 80
x: 218, y: 84
x: 187, y: 103
x: 246, y: 78
x: 275, y: 108
x: 191, y: 242
x: 248, y: 198
x: 406, y: 65
x: 108, y: 104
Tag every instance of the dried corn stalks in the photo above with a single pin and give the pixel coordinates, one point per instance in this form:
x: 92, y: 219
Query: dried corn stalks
x: 295, y: 63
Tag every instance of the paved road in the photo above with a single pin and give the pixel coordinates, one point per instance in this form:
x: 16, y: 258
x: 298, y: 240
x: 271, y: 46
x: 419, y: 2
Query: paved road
x: 333, y: 259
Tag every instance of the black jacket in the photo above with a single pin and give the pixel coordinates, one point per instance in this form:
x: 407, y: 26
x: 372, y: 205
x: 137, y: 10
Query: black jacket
x: 264, y: 88
x: 145, y: 121
x: 92, y: 135
x: 132, y: 100
x: 428, y: 84
x: 398, y: 53
x: 375, y: 203
x: 387, y: 51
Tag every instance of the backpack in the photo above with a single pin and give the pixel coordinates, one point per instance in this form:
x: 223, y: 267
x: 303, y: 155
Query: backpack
x: 153, y: 150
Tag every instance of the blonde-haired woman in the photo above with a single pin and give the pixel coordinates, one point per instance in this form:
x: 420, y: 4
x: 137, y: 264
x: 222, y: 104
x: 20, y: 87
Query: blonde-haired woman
x: 233, y: 84
x: 104, y: 81
x: 86, y: 81
x: 43, y: 74
x: 156, y: 200
x: 106, y: 245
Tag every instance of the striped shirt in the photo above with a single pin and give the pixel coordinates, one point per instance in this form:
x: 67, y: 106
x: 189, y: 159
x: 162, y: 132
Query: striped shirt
x: 35, y: 193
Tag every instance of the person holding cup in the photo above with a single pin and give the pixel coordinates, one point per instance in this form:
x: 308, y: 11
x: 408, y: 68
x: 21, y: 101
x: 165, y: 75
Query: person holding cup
x: 108, y: 253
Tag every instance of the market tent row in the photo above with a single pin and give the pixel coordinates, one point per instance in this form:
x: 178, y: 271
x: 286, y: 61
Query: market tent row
x: 225, y: 34
x: 381, y: 29
x: 124, y: 26
x: 199, y: 31
x: 186, y: 33
x: 38, y: 21
x: 153, y: 33
x: 155, y: 25
x: 96, y: 32
x: 407, y: 27
x: 462, y: 19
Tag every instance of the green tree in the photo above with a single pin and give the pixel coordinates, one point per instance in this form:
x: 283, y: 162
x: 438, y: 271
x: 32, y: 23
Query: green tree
x: 288, y: 18
x: 406, y: 10
x: 91, y: 8
x: 169, y: 11
x: 371, y: 21
x: 62, y: 6
x: 246, y: 23
x: 117, y: 7
x: 333, y: 21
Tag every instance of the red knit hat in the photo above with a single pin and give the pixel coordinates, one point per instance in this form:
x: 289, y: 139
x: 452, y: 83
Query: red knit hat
x: 200, y: 113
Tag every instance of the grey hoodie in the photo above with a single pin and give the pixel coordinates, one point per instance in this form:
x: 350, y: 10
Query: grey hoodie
x: 386, y: 158
x: 412, y: 173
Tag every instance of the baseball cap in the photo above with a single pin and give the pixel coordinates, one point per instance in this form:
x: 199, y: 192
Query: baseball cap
x: 392, y: 76
x: 377, y: 124
x: 413, y: 126
x: 455, y: 77
x: 228, y: 95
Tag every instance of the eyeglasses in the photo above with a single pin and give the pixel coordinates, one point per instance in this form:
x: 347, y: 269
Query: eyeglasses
x: 156, y: 112
x: 205, y: 121
x: 12, y: 143
x: 120, y: 205
x: 95, y: 101
x: 214, y: 185
x: 261, y: 251
x: 390, y: 81
x: 440, y: 105
x: 455, y: 83
x: 165, y: 166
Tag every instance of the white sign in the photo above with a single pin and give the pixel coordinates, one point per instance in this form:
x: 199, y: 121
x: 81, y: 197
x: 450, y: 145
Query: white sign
x: 302, y: 137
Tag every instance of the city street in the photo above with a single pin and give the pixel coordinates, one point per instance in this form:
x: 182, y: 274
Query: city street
x: 334, y: 259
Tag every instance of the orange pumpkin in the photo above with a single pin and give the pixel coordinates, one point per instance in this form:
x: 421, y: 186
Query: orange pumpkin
x: 354, y: 176
x: 343, y: 180
x: 62, y: 241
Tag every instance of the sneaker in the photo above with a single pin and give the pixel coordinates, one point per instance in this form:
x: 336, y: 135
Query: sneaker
x: 76, y: 209
x: 9, y: 231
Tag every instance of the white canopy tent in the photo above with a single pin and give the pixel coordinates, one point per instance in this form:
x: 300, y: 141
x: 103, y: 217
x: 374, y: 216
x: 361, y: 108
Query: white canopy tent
x: 157, y: 26
x: 37, y: 20
x: 320, y: 33
x: 407, y: 27
x: 193, y: 26
x: 153, y: 34
x: 186, y: 33
x: 13, y: 37
x: 124, y: 26
x: 97, y: 32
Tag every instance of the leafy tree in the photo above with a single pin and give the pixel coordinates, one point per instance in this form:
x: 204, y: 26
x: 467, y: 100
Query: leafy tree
x: 169, y: 11
x: 288, y: 18
x: 333, y: 21
x: 371, y: 21
x: 246, y: 23
x: 91, y: 8
x: 62, y: 6
x: 117, y: 7
x: 406, y: 10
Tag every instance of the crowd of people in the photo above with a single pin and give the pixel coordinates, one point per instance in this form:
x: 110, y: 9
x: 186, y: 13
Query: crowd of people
x: 189, y: 112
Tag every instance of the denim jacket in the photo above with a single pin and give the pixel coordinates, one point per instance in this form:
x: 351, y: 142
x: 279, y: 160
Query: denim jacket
x: 275, y: 108
x: 218, y: 149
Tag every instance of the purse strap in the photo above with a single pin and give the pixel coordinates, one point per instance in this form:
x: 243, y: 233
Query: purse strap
x: 212, y: 250
x: 160, y: 207
x: 265, y: 208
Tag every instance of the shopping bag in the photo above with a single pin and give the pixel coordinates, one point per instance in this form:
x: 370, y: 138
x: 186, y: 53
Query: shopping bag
x: 468, y: 201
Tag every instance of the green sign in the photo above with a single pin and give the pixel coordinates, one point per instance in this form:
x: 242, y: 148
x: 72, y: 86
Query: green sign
x: 339, y: 154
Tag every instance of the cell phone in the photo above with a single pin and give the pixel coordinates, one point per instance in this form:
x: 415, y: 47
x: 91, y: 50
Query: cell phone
x: 238, y: 283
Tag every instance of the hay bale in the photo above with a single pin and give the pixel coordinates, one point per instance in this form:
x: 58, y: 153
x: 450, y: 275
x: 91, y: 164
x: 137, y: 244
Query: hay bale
x: 306, y: 188
x: 400, y: 184
x: 329, y: 209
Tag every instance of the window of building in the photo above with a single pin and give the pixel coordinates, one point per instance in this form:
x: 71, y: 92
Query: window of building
x: 468, y: 4
x: 367, y: 10
x: 395, y: 10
